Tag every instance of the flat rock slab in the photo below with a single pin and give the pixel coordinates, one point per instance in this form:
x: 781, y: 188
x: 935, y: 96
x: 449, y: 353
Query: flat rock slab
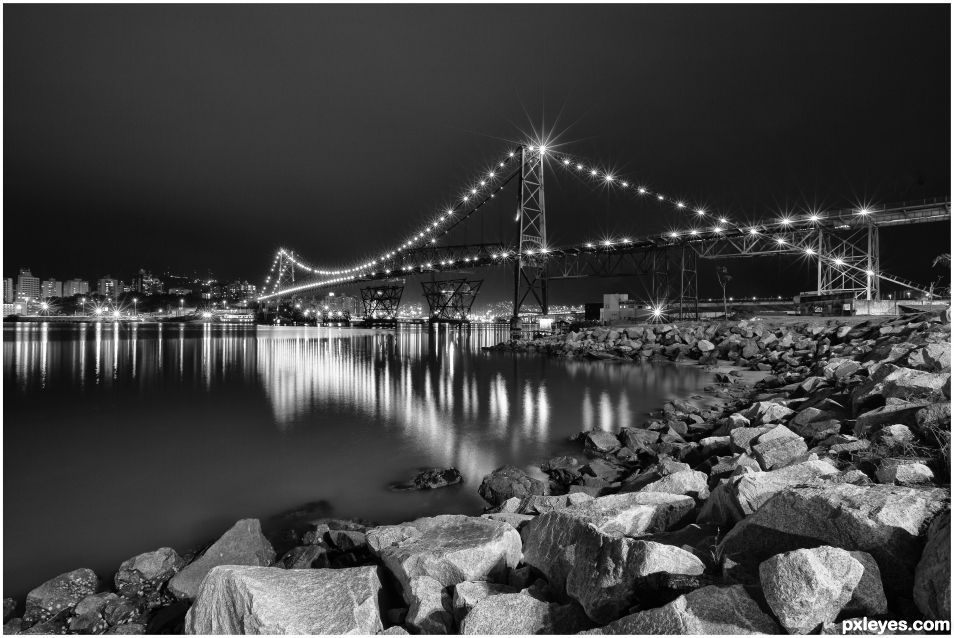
x: 883, y: 520
x: 515, y: 614
x: 271, y: 600
x: 450, y: 549
x: 243, y: 544
x: 707, y: 611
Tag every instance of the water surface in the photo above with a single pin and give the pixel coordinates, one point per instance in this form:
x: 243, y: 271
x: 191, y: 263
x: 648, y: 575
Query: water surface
x: 119, y: 439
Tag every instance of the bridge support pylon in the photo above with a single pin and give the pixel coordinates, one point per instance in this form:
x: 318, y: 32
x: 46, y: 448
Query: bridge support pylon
x: 381, y: 302
x: 530, y: 269
x: 450, y: 300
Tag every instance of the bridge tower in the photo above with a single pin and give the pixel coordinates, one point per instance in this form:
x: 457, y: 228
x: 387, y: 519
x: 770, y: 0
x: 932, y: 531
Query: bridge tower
x: 530, y: 270
x: 858, y: 249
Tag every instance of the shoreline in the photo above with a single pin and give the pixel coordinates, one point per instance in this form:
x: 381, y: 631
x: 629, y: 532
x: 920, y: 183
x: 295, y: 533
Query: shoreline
x: 778, y: 423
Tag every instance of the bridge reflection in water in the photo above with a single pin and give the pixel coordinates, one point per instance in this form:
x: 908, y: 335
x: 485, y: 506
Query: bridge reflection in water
x: 200, y: 425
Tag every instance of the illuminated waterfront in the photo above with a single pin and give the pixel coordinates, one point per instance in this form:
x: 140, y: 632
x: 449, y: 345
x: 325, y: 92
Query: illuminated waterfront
x: 121, y: 438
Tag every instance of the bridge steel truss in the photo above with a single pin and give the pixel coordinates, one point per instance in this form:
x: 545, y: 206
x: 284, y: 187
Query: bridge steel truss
x: 849, y: 236
x: 530, y: 269
x: 382, y: 301
x: 451, y: 299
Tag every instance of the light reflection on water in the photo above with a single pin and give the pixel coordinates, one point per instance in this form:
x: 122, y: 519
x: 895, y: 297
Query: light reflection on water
x: 123, y: 438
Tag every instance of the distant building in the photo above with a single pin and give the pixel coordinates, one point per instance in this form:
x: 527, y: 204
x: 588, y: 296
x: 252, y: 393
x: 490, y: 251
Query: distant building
x: 51, y: 288
x: 618, y: 306
x: 179, y: 291
x: 28, y: 286
x: 239, y: 290
x: 145, y: 284
x: 8, y: 290
x: 109, y: 287
x: 75, y: 287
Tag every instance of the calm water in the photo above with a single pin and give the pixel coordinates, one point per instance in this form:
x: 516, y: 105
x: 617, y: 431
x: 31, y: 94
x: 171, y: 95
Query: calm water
x: 120, y: 439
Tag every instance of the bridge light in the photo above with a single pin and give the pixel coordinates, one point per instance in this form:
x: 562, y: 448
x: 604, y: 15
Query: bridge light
x: 780, y: 241
x: 753, y: 231
x: 786, y: 221
x: 529, y: 251
x: 566, y: 162
x: 483, y: 183
x: 839, y: 262
x: 433, y: 240
x: 494, y: 256
x: 864, y: 211
x: 699, y: 211
x: 511, y: 154
x: 543, y: 149
x: 693, y: 232
x: 466, y: 198
x: 490, y: 174
x: 502, y: 164
x: 589, y: 245
x: 625, y: 184
x: 609, y: 178
x: 642, y: 191
x: 723, y: 220
x: 680, y: 205
x: 674, y: 234
x: 593, y: 172
x: 473, y: 191
x: 660, y: 197
x: 607, y: 242
x: 626, y: 240
x: 579, y: 167
x: 717, y: 229
x: 809, y: 251
x: 870, y: 273
x: 813, y: 218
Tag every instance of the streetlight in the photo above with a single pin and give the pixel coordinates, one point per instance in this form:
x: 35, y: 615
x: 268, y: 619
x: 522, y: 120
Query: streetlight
x: 181, y: 304
x: 135, y: 306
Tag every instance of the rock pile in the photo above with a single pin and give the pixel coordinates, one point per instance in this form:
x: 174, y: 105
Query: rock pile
x: 818, y: 494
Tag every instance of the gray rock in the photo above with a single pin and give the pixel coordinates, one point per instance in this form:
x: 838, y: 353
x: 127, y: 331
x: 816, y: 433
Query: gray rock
x: 305, y: 557
x: 9, y: 606
x: 269, y: 600
x: 778, y: 452
x: 764, y: 412
x: 868, y: 599
x: 584, y: 551
x: 704, y: 345
x: 808, y: 587
x: 147, y: 572
x: 903, y: 412
x: 903, y: 472
x: 507, y: 482
x: 12, y: 626
x: 396, y: 630
x: 59, y: 594
x: 516, y: 521
x: 706, y: 611
x: 932, y: 577
x: 894, y: 436
x: 934, y: 357
x: 742, y: 495
x: 601, y: 442
x: 430, y: 607
x: 347, y: 540
x: 469, y: 593
x: 450, y: 549
x: 242, y: 544
x: 127, y: 629
x: 541, y: 504
x: 516, y: 614
x: 743, y: 437
x: 686, y: 482
x: 883, y: 520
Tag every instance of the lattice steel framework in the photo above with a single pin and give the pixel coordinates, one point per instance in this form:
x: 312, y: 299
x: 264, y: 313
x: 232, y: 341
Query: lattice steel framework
x: 382, y: 302
x: 530, y: 269
x: 450, y: 299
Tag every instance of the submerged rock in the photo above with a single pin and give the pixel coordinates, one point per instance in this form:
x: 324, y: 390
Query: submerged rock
x: 269, y: 600
x: 242, y: 544
x: 430, y: 479
x: 508, y: 482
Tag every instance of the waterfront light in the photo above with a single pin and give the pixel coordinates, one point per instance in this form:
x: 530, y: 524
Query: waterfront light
x: 864, y: 211
x: 673, y: 234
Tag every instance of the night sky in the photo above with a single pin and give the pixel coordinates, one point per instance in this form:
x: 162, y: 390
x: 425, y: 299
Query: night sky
x: 197, y: 138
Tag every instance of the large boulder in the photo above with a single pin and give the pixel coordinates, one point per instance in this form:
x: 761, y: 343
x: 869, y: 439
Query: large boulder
x: 430, y: 608
x: 686, y: 482
x: 59, y: 594
x: 450, y: 549
x: 883, y: 520
x: 143, y: 575
x: 808, y: 587
x: 468, y: 593
x: 932, y: 578
x: 709, y: 611
x: 541, y: 504
x: 586, y: 552
x: 243, y: 544
x: 237, y: 599
x: 741, y: 495
x: 934, y: 357
x: 516, y: 614
x: 764, y: 412
x: 508, y: 482
x: 903, y: 472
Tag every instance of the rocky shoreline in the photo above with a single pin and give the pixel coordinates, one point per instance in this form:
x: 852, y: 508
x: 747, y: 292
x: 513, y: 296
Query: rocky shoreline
x: 817, y: 494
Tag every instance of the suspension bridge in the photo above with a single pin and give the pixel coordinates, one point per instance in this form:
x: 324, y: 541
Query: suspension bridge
x: 843, y: 244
